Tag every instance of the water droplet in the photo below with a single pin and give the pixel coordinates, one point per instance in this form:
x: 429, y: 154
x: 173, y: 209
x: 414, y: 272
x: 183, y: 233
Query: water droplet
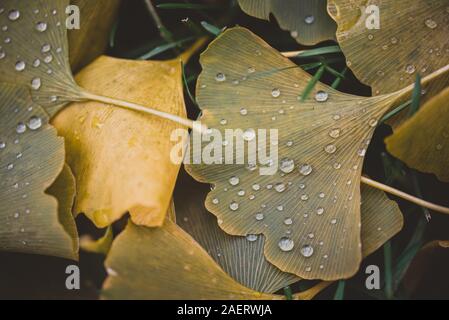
x: 234, y: 206
x: 336, y: 117
x: 288, y: 221
x: 2, y: 55
x: 251, y: 237
x: 215, y: 201
x: 361, y: 152
x: 337, y: 166
x: 21, y: 128
x: 45, y: 48
x: 259, y: 216
x: 321, y: 96
x: 20, y: 66
x: 333, y: 221
x: 256, y: 187
x: 41, y: 26
x: 287, y: 165
x: 2, y: 145
x: 289, y: 143
x: 439, y: 147
x: 16, y: 215
x: 309, y: 19
x: 251, y: 70
x: 320, y: 211
x: 241, y: 193
x: 330, y: 148
x: 220, y: 77
x: 321, y: 195
x: 249, y: 135
x: 431, y: 23
x: 280, y: 187
x: 10, y: 166
x: 394, y: 40
x: 234, y: 181
x: 373, y: 123
x: 243, y: 111
x: 410, y: 69
x: 305, y: 169
x: 334, y: 133
x: 36, y: 63
x: 280, y: 208
x: 370, y: 37
x: 275, y: 93
x: 14, y: 15
x: 307, y: 250
x: 286, y: 244
x: 311, y: 235
x: 34, y: 123
x: 36, y: 83
x: 223, y: 122
x: 304, y: 197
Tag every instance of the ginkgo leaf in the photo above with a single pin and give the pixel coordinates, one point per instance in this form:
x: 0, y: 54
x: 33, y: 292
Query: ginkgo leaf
x: 31, y: 158
x: 307, y: 20
x: 422, y: 142
x: 121, y: 158
x: 90, y: 41
x: 309, y: 211
x: 166, y: 263
x: 411, y: 38
x: 35, y: 51
x: 242, y: 257
x: 101, y: 245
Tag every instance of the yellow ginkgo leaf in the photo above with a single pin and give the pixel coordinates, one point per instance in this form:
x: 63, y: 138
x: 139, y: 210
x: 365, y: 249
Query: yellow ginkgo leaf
x: 386, y: 43
x: 422, y: 142
x: 309, y: 208
x: 90, y: 41
x: 307, y: 20
x: 121, y: 158
x: 166, y: 263
x: 31, y: 158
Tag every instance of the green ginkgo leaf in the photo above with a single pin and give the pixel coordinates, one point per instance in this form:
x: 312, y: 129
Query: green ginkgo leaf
x: 307, y: 20
x: 31, y: 158
x: 309, y: 210
x: 411, y: 38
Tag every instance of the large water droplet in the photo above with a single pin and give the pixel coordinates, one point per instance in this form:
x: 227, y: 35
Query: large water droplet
x: 286, y: 244
x: 20, y: 66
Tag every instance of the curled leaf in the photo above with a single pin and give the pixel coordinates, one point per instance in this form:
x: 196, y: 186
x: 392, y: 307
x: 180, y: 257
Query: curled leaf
x: 309, y: 209
x: 422, y: 142
x: 31, y: 158
x: 121, y: 158
x: 410, y: 38
x: 307, y: 20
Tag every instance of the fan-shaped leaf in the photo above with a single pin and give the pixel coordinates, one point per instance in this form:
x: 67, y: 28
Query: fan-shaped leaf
x: 422, y: 142
x: 412, y: 38
x: 309, y: 211
x: 31, y: 158
x: 121, y: 158
x: 307, y: 20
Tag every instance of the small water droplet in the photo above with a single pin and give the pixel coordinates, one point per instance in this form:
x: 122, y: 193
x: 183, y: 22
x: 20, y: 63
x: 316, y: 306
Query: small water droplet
x: 251, y: 70
x: 361, y: 152
x: 259, y: 216
x: 287, y: 165
x: 321, y: 96
x: 21, y: 128
x: 34, y: 123
x: 309, y: 19
x: 41, y: 26
x: 2, y: 145
x: 333, y: 221
x: 215, y: 201
x: 334, y: 133
x: 394, y: 40
x: 370, y: 36
x: 320, y: 211
x: 10, y: 166
x: 36, y: 83
x: 256, y: 187
x: 234, y: 206
x: 251, y: 237
x: 431, y: 23
x: 241, y: 193
x: 286, y: 244
x: 410, y: 69
x: 307, y: 250
x: 280, y: 208
x: 220, y: 77
x: 243, y: 111
x: 305, y: 169
x: 373, y: 123
x: 321, y: 195
x: 275, y: 93
x: 16, y: 215
x: 20, y: 66
x: 249, y: 135
x: 234, y: 181
x: 330, y: 148
x: 280, y: 187
x: 288, y: 221
x: 304, y: 197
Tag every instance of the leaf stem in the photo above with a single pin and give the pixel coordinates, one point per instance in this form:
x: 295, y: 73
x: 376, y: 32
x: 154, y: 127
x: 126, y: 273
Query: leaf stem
x: 405, y: 196
x: 136, y: 107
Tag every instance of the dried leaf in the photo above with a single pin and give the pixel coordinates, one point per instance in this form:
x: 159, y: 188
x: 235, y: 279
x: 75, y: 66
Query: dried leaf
x: 411, y: 39
x: 322, y: 142
x: 307, y: 20
x: 121, y: 158
x: 91, y: 40
x: 422, y: 142
x: 31, y: 158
